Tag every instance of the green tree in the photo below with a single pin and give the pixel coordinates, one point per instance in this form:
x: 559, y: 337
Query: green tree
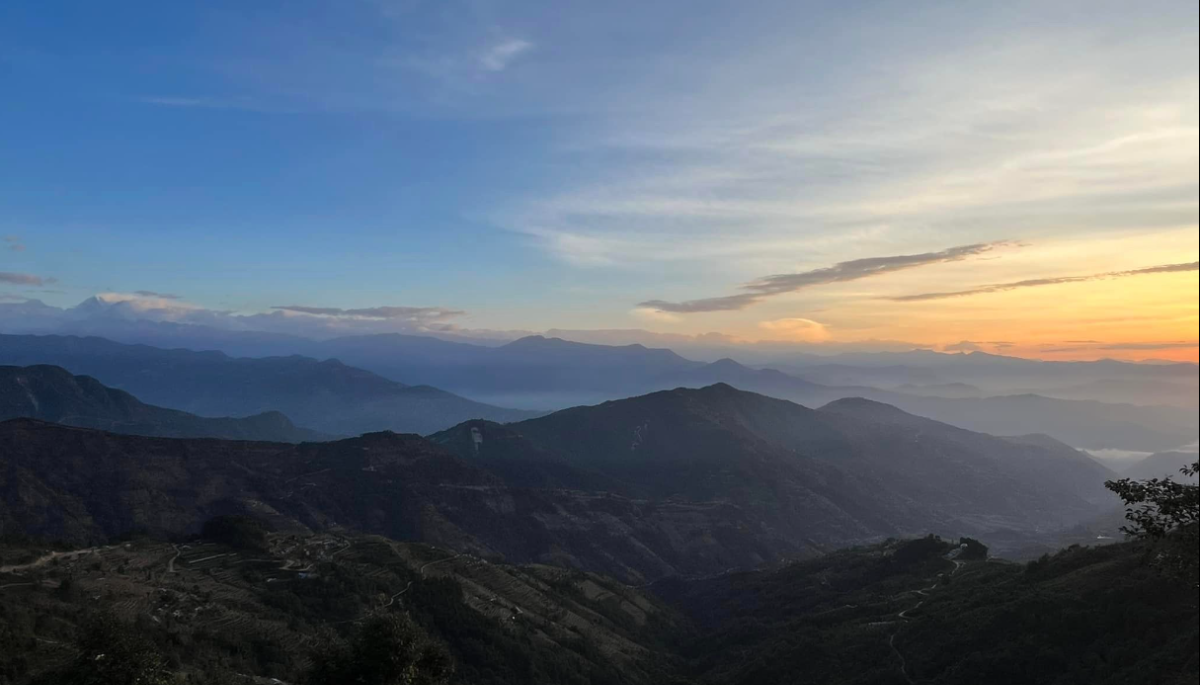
x: 389, y: 649
x: 1159, y: 506
x: 1167, y: 511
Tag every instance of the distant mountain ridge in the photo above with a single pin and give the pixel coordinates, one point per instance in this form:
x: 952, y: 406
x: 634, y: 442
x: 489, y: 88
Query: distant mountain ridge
x: 326, y: 396
x: 51, y: 393
x: 543, y: 374
x: 1162, y: 465
x: 549, y: 373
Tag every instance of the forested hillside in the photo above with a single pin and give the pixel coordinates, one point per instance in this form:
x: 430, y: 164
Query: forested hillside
x: 248, y: 607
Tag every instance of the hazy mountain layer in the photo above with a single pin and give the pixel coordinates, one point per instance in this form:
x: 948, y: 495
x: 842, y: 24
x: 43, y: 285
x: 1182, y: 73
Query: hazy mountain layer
x: 322, y: 395
x: 542, y: 373
x: 1162, y: 465
x: 51, y: 393
x: 547, y: 373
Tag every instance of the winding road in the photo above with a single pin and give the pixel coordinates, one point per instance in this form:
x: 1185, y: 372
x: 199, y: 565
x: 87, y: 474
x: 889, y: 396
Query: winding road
x: 392, y: 599
x: 903, y: 616
x: 435, y: 561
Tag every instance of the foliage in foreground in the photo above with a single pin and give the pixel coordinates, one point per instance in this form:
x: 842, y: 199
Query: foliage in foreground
x: 112, y: 652
x: 1166, y: 510
x: 389, y: 649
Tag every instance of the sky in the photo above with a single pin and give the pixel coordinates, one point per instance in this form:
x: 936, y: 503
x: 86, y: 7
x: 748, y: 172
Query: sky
x: 1014, y: 177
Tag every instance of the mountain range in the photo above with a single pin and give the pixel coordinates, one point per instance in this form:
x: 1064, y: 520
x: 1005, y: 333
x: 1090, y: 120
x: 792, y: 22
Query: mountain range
x: 326, y: 396
x: 362, y: 384
x: 1144, y: 407
x: 52, y: 393
x: 680, y: 482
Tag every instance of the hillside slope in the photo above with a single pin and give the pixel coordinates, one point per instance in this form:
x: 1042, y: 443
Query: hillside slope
x: 901, y: 612
x: 868, y: 462
x: 685, y: 482
x: 87, y: 486
x: 51, y: 393
x: 223, y: 614
x: 921, y: 610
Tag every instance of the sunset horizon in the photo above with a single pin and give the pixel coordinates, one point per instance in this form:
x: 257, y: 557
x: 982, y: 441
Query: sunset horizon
x: 1018, y: 180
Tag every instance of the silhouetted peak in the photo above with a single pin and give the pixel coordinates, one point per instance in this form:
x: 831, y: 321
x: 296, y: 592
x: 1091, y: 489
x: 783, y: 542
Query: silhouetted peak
x: 532, y: 341
x: 861, y: 406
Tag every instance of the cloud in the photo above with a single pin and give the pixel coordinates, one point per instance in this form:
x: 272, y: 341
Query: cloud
x: 429, y: 314
x: 851, y: 270
x: 708, y: 304
x: 1162, y: 269
x: 231, y: 103
x: 1038, y: 282
x: 1093, y: 345
x: 797, y: 328
x: 1178, y: 345
x: 157, y: 295
x: 1058, y: 132
x: 23, y: 279
x: 500, y: 55
x: 977, y: 345
x: 112, y: 313
x: 14, y: 243
x: 655, y: 315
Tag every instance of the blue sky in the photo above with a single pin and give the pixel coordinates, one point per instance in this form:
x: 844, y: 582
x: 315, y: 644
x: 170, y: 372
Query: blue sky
x: 539, y: 165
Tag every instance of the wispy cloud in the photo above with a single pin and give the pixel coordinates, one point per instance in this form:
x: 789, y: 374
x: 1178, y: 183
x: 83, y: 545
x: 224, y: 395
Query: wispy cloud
x: 852, y: 270
x: 427, y: 314
x: 23, y: 279
x: 500, y: 55
x: 118, y: 311
x: 158, y: 295
x: 14, y: 243
x: 1178, y: 345
x: 1032, y: 127
x: 1038, y: 282
x: 1072, y: 346
x: 244, y: 104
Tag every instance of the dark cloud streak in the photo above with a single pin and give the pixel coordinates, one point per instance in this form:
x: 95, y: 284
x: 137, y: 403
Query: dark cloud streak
x: 23, y: 279
x: 852, y: 270
x: 1036, y: 282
